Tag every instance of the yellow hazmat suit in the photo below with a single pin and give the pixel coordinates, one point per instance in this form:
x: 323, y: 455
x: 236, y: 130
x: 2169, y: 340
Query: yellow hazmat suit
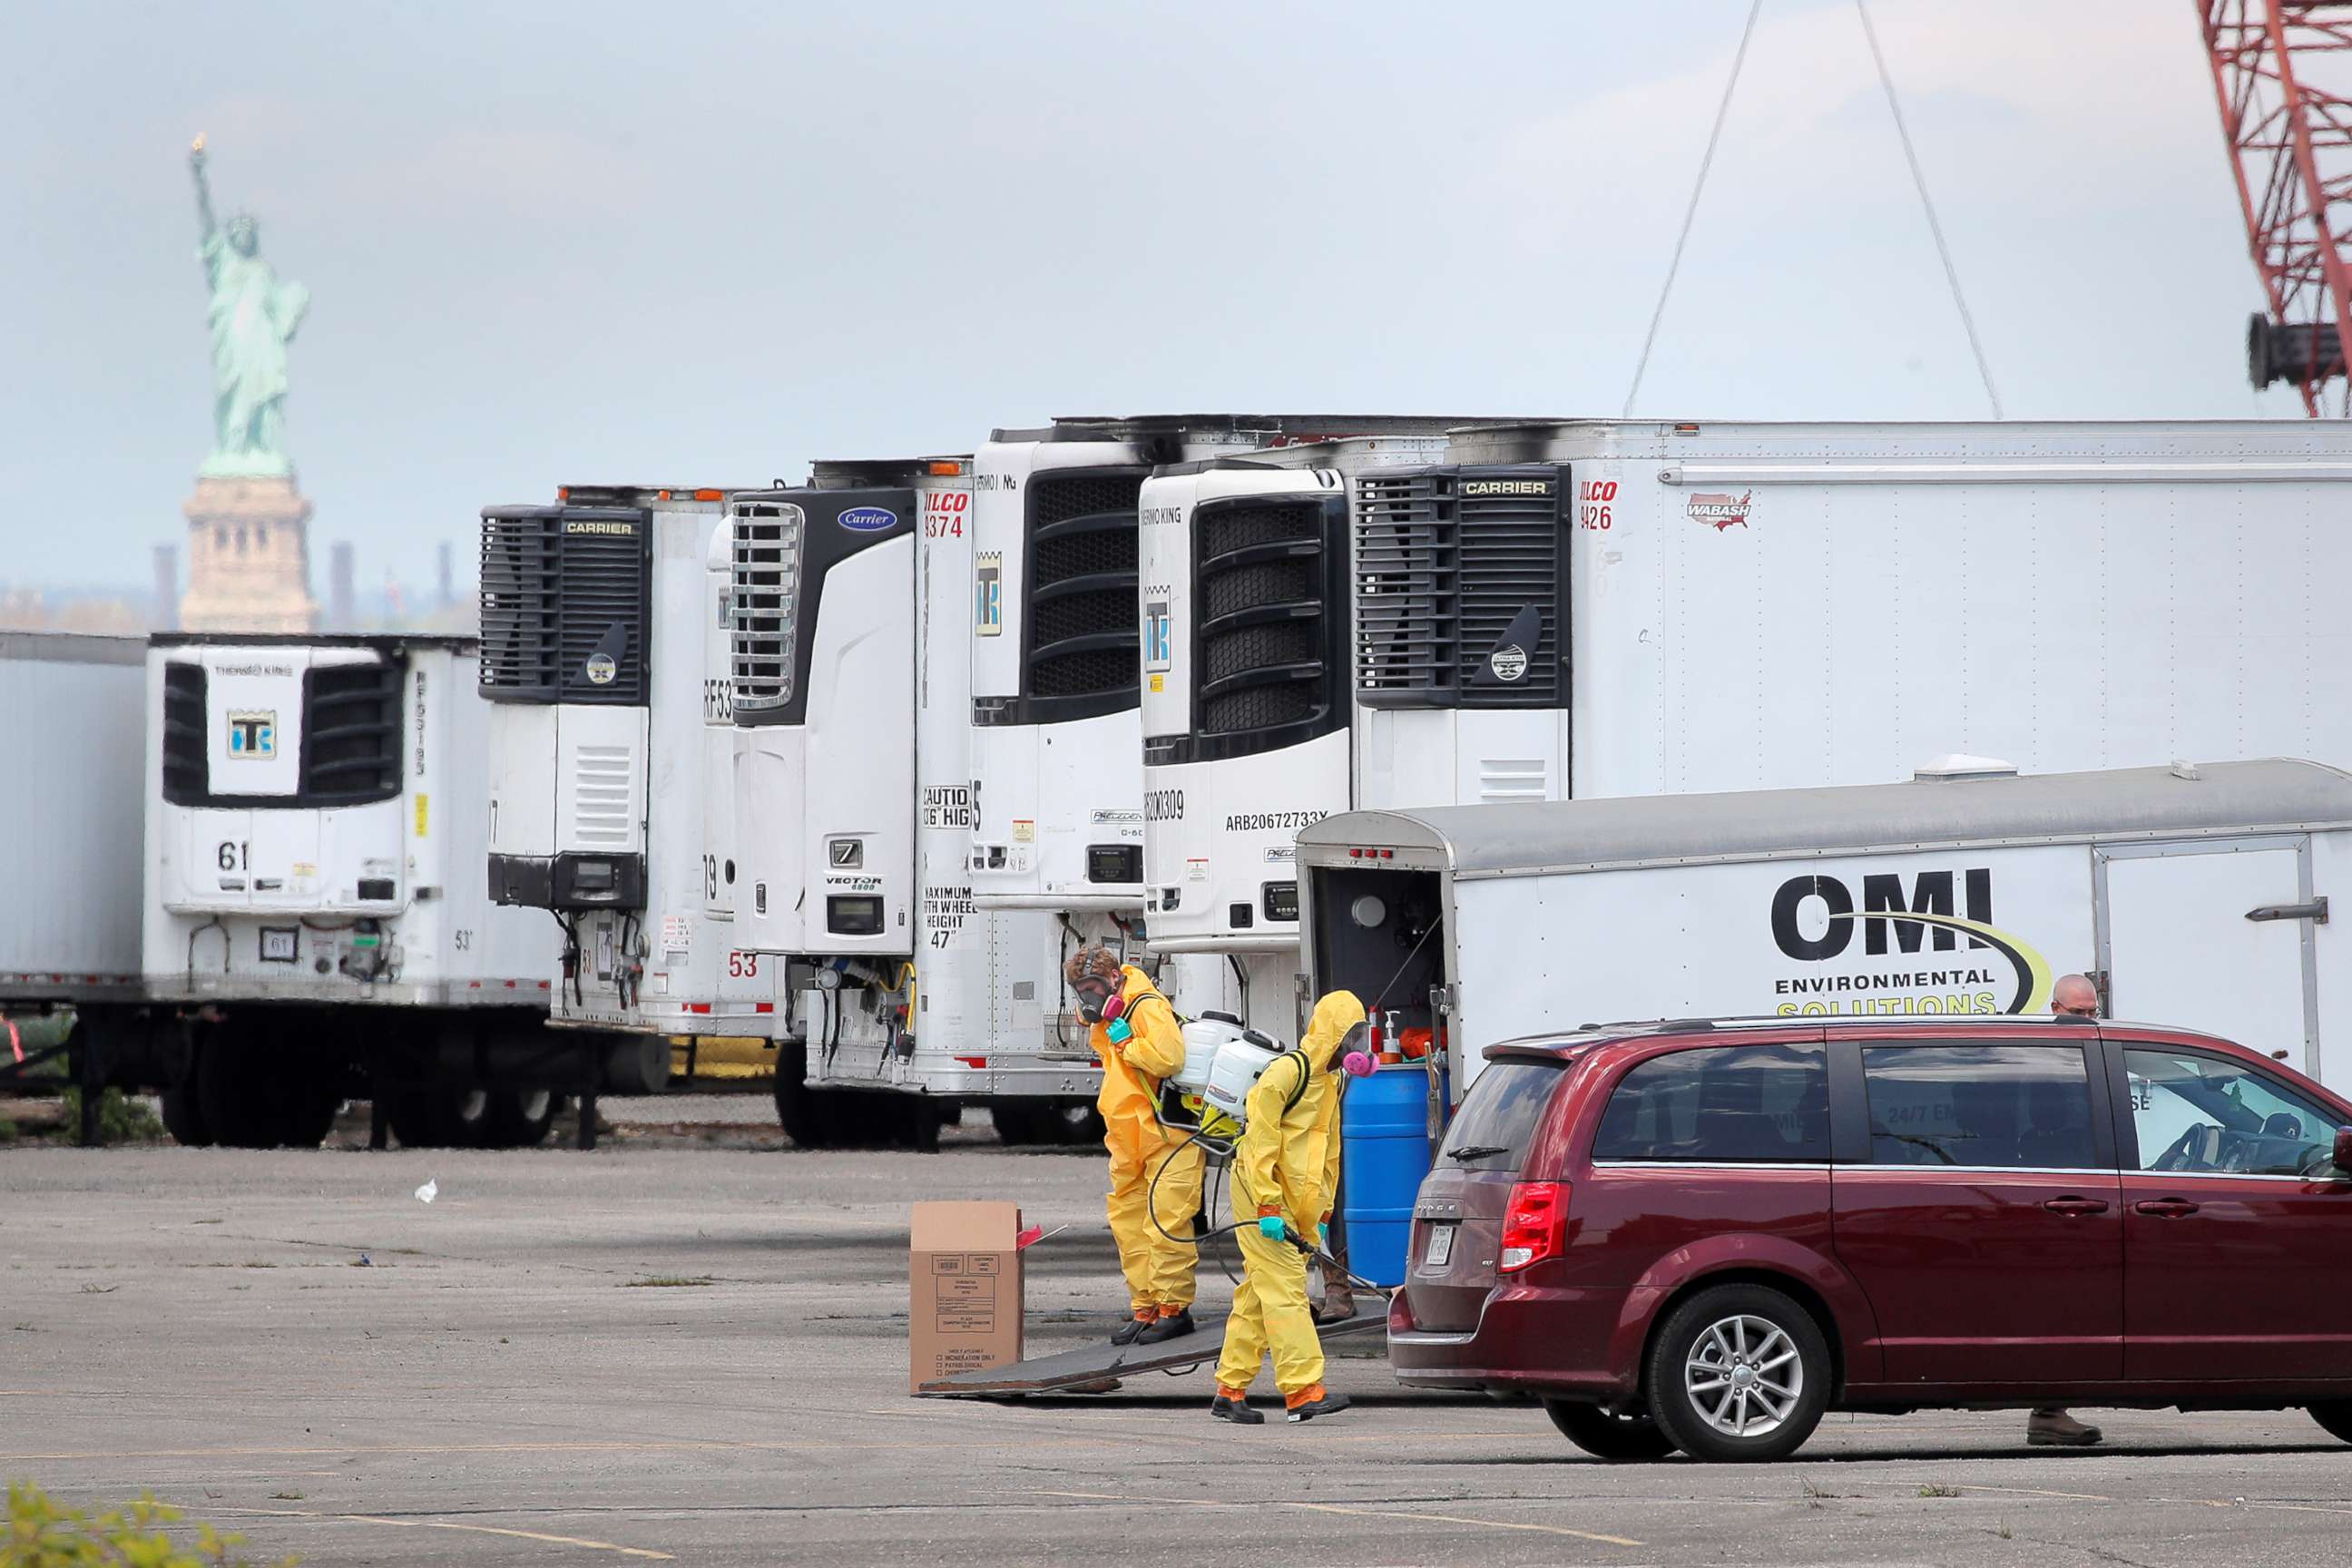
x: 1158, y: 1270
x: 1287, y: 1163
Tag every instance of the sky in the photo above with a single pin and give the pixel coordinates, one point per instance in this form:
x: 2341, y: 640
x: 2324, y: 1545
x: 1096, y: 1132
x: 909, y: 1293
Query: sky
x: 704, y: 243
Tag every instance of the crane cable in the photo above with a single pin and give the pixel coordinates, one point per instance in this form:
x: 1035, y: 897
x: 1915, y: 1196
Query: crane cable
x: 1919, y: 180
x: 1691, y: 212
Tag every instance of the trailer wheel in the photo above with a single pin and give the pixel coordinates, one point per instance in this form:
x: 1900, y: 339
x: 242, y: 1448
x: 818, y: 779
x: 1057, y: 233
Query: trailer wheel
x: 1073, y: 1122
x: 1061, y: 1123
x: 519, y: 1118
x: 801, y: 1109
x: 1014, y: 1122
x: 436, y: 1116
x: 183, y: 1118
x: 309, y: 1114
x: 234, y: 1096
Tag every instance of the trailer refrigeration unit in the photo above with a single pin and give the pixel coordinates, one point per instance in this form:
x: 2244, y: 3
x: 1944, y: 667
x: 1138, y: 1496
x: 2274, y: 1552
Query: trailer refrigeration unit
x: 314, y: 903
x: 2196, y: 896
x: 1249, y: 630
x: 603, y: 616
x: 1739, y: 606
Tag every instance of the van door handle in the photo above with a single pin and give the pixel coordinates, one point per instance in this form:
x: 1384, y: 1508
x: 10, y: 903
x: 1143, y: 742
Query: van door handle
x: 2077, y: 1205
x: 2166, y: 1208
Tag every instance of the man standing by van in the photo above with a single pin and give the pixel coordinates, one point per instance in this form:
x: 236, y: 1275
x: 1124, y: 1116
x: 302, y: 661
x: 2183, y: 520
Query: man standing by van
x: 2074, y: 996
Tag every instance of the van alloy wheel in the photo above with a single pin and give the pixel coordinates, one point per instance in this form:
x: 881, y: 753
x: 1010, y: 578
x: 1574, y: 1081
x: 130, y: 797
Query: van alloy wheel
x: 1739, y: 1373
x: 1744, y: 1376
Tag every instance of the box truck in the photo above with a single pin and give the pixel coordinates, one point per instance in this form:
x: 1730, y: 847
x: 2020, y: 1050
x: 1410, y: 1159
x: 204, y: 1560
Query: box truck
x: 1631, y: 607
x: 2197, y: 895
x: 315, y: 913
x: 606, y: 643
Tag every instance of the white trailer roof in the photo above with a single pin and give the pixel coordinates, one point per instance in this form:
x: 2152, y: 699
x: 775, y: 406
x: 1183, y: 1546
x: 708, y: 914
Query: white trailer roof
x: 2276, y: 793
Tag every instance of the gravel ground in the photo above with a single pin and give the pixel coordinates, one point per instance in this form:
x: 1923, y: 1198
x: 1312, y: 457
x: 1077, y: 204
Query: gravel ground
x: 690, y: 1345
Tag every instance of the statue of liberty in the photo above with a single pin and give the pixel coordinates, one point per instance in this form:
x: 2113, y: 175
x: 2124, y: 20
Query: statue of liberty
x: 254, y: 317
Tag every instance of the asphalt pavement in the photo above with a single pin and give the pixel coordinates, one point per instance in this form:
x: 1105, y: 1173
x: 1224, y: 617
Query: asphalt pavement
x: 690, y: 1345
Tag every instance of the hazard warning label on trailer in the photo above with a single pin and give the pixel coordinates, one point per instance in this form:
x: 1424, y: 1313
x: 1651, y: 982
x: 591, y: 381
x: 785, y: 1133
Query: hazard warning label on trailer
x: 948, y: 805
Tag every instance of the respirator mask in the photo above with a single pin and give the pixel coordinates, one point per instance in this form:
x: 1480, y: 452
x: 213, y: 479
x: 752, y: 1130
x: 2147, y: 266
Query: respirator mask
x: 1353, y: 1057
x: 1098, y: 1003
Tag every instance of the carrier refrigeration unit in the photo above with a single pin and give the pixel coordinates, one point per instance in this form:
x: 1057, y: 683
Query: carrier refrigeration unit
x: 1250, y: 722
x: 603, y: 616
x: 314, y: 903
x: 1633, y: 608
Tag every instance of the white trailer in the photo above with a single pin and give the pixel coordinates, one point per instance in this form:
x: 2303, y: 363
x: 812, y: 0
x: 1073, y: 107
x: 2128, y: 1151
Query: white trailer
x: 74, y: 706
x: 605, y: 636
x: 1631, y: 607
x: 314, y: 904
x: 2196, y: 895
x: 826, y: 645
x: 70, y: 929
x: 1062, y: 821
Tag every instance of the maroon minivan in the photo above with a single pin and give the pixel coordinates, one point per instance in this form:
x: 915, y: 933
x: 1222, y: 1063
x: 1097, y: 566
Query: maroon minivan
x: 1703, y: 1235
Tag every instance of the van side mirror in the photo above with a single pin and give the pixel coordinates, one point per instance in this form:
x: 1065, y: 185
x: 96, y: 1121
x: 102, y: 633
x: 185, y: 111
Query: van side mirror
x: 2343, y: 1150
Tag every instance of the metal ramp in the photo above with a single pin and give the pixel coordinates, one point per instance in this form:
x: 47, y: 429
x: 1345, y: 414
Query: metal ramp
x: 1092, y: 1363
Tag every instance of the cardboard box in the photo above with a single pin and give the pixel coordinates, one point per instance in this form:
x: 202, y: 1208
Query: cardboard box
x: 964, y: 1272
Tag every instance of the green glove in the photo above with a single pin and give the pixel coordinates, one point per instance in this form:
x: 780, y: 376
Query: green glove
x: 1270, y: 1226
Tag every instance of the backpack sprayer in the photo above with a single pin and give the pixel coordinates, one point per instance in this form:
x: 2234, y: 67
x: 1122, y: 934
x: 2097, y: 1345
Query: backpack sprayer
x: 1208, y: 1100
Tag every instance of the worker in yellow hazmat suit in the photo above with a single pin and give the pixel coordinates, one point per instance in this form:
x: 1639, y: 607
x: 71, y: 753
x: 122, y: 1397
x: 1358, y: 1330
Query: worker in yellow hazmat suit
x: 1152, y: 1171
x: 1285, y: 1174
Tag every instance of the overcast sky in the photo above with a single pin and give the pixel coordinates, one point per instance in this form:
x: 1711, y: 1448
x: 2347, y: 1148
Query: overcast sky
x: 703, y: 243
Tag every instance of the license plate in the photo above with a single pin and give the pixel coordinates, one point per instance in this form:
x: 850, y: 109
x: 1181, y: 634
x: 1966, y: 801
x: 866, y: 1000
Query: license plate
x: 1441, y: 1247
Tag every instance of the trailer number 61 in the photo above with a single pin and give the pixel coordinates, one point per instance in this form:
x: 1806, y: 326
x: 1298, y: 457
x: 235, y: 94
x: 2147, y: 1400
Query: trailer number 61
x: 235, y: 857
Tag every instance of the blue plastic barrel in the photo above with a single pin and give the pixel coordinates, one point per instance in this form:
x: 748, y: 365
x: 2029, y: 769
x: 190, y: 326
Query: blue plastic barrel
x: 1384, y: 1154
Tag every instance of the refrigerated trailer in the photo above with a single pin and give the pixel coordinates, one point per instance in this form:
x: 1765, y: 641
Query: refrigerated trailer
x: 1062, y: 821
x: 315, y: 916
x: 855, y: 797
x: 1632, y: 607
x: 2198, y: 895
x: 605, y: 639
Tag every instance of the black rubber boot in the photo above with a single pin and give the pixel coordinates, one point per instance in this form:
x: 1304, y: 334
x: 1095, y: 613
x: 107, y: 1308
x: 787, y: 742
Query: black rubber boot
x: 1125, y: 1333
x: 1236, y: 1411
x: 1167, y: 1329
x: 1329, y: 1405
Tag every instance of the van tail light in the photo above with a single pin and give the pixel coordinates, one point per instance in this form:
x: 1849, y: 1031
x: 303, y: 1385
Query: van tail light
x: 1533, y: 1223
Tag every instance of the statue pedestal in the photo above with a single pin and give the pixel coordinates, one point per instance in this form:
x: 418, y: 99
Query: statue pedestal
x: 248, y: 558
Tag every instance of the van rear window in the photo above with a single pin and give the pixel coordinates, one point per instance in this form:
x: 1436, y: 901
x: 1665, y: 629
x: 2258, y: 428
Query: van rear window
x: 1744, y: 1103
x: 1498, y: 1116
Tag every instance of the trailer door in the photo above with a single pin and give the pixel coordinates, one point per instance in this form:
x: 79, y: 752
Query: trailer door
x: 2214, y: 936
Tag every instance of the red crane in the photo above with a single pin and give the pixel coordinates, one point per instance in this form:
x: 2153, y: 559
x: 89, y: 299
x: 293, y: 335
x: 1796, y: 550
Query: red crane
x: 2291, y: 148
